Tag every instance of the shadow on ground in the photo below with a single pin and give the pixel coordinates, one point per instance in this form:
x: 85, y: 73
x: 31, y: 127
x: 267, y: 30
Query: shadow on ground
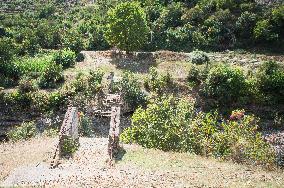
x: 136, y: 62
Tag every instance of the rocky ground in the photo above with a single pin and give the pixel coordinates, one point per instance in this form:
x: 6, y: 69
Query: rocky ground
x: 136, y: 167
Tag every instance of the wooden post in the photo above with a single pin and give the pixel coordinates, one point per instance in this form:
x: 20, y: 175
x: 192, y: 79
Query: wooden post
x: 69, y: 129
x: 113, y: 144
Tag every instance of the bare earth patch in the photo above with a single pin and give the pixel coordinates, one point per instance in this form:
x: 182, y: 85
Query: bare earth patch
x: 13, y: 155
x: 27, y: 164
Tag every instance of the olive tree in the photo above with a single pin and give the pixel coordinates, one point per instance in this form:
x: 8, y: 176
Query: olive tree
x: 127, y: 27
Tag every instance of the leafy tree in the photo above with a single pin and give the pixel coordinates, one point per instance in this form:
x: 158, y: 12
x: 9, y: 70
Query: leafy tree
x: 46, y: 11
x: 263, y: 31
x: 127, y: 27
x: 8, y: 72
x: 245, y: 24
x: 6, y: 49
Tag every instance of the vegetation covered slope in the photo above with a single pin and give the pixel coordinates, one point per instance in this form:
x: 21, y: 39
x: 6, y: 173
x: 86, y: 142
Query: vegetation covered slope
x: 40, y: 44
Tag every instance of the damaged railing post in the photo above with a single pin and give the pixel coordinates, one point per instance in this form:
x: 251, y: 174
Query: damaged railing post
x: 113, y: 142
x: 68, y: 135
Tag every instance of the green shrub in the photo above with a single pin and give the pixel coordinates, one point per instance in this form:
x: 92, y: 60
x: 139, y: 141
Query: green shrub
x: 74, y: 41
x: 246, y: 144
x: 69, y: 146
x: 33, y: 66
x: 28, y: 42
x: 263, y: 31
x: 226, y: 84
x: 235, y: 139
x: 8, y: 70
x: 17, y: 100
x: 169, y: 123
x: 245, y: 24
x: 217, y: 30
x: 199, y: 57
x: 95, y: 81
x: 46, y: 11
x: 162, y: 125
x: 48, y: 34
x: 249, y: 6
x: 225, y: 4
x: 197, y: 74
x: 158, y: 83
x: 178, y: 39
x: 41, y: 68
x: 25, y: 131
x: 80, y: 83
x: 7, y: 50
x: 194, y: 15
x: 277, y: 19
x: 130, y: 88
x: 51, y: 75
x: 89, y: 84
x: 85, y: 128
x: 127, y: 27
x: 50, y: 132
x: 270, y: 80
x: 58, y: 100
x: 171, y: 16
x: 27, y: 84
x: 80, y: 57
x: 65, y: 57
x: 39, y: 101
x: 6, y: 82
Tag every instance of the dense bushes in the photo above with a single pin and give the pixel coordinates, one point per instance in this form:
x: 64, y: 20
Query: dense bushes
x: 198, y: 74
x: 245, y: 26
x: 161, y: 125
x: 41, y: 70
x: 27, y: 84
x: 169, y: 123
x: 88, y: 84
x: 65, y: 57
x: 226, y: 84
x: 159, y: 83
x: 199, y: 57
x: 130, y: 88
x: 51, y: 75
x: 270, y: 80
x: 230, y: 85
x: 79, y: 92
x: 25, y: 131
x: 6, y: 50
x: 175, y: 25
x: 263, y: 31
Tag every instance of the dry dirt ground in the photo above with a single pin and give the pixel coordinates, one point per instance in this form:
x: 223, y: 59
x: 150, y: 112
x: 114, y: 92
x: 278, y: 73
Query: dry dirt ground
x: 27, y: 164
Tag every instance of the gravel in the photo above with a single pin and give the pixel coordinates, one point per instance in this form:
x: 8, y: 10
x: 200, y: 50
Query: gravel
x: 90, y: 167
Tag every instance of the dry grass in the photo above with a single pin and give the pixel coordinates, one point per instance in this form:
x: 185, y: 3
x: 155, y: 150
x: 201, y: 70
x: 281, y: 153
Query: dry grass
x: 198, y: 171
x: 13, y: 155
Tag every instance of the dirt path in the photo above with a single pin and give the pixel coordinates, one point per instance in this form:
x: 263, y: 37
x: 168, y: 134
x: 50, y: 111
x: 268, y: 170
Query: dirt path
x: 137, y: 168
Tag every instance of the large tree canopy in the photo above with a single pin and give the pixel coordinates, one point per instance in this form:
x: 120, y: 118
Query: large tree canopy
x: 127, y: 27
